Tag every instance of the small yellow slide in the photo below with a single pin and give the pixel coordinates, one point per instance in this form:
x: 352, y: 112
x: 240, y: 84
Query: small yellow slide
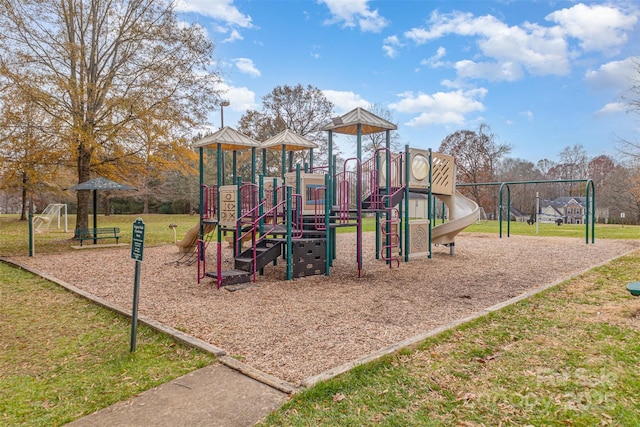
x: 188, y: 243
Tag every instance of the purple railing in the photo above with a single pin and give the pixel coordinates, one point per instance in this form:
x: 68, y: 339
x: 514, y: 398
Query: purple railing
x: 275, y: 212
x: 209, y: 201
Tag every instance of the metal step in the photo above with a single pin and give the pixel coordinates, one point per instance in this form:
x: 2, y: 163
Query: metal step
x: 231, y: 277
x: 266, y: 251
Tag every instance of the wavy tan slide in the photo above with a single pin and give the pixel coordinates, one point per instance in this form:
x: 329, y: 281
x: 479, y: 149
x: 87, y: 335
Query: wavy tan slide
x: 188, y: 243
x: 462, y: 213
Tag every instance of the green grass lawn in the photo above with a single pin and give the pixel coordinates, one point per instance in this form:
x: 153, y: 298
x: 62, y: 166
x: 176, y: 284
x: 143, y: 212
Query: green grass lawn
x: 63, y: 357
x: 15, y: 240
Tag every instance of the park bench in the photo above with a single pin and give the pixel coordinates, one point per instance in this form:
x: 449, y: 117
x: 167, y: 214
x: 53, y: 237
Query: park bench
x: 83, y: 234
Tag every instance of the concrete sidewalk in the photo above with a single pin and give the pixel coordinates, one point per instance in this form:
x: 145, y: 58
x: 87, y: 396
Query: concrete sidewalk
x: 212, y: 396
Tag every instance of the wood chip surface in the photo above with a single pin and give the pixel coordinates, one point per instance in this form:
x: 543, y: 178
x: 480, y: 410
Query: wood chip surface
x: 300, y: 328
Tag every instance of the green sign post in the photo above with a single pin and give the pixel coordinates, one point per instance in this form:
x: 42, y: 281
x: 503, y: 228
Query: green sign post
x: 137, y: 251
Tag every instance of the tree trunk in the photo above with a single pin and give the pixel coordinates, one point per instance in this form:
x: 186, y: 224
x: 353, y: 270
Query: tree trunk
x: 83, y: 197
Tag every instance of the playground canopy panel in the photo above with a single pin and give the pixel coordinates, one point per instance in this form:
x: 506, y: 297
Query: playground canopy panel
x: 368, y: 123
x: 228, y: 139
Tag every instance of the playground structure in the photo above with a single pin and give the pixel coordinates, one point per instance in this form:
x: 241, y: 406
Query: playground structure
x: 295, y: 215
x: 52, y: 213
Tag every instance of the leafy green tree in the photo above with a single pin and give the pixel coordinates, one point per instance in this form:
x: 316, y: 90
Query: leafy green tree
x: 103, y: 69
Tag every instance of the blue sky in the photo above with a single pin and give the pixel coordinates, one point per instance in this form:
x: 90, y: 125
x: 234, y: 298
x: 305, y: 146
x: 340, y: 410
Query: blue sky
x: 542, y: 74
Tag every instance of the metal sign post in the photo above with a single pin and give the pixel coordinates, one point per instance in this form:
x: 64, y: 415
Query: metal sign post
x: 137, y: 250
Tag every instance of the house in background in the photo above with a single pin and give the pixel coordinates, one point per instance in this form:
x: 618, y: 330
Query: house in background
x: 518, y: 215
x: 572, y: 210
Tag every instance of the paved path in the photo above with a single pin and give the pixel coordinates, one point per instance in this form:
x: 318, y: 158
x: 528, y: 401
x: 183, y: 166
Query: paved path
x: 212, y: 396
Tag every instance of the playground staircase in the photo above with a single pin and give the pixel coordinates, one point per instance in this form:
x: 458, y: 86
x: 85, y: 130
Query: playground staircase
x: 266, y: 251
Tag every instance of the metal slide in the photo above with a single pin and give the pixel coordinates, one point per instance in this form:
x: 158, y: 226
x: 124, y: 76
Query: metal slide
x: 462, y: 213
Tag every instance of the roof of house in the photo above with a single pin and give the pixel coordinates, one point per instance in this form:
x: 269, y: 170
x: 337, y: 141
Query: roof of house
x: 568, y: 199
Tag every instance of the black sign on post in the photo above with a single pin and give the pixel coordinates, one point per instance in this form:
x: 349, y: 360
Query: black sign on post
x: 137, y: 251
x: 137, y: 240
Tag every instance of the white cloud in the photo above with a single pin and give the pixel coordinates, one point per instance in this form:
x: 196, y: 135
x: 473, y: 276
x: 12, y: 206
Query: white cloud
x: 240, y: 99
x: 616, y: 75
x: 390, y: 45
x: 227, y: 18
x: 509, y: 52
x: 441, y: 107
x: 597, y: 27
x: 612, y: 108
x: 233, y: 36
x: 345, y: 101
x: 246, y: 66
x: 434, y: 61
x: 221, y: 10
x: 354, y: 13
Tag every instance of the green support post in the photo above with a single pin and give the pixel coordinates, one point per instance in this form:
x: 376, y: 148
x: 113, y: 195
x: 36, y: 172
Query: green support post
x: 407, y: 235
x: 264, y: 161
x: 253, y: 165
x: 201, y: 191
x: 237, y: 246
x: 290, y: 160
x: 500, y: 206
x: 327, y: 223
x: 219, y: 177
x: 590, y: 210
x: 30, y: 232
x: 289, y: 248
x: 378, y: 235
x: 388, y: 206
x: 430, y: 195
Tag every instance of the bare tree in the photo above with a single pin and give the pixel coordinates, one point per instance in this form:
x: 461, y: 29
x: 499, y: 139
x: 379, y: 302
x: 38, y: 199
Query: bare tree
x: 304, y: 110
x: 373, y: 141
x: 477, y: 156
x: 100, y: 66
x: 573, y: 165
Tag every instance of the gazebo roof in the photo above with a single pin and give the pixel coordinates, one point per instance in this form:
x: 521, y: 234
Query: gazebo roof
x: 229, y: 139
x: 100, y: 183
x: 290, y: 139
x: 369, y: 123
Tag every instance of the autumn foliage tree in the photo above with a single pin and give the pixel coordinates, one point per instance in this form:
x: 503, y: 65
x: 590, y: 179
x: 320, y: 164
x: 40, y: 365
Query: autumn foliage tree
x: 29, y: 153
x: 103, y: 70
x: 477, y: 156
